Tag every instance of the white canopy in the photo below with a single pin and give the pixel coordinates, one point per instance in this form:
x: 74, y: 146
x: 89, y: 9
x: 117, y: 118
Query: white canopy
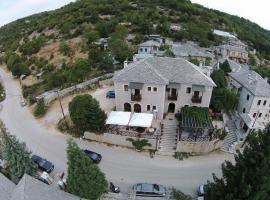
x: 118, y: 118
x: 141, y: 120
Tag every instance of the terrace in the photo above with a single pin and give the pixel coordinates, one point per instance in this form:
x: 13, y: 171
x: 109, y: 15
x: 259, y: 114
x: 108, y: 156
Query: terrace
x: 195, y: 124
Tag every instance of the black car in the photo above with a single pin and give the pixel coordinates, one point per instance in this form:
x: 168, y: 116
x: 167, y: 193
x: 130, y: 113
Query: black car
x: 95, y: 157
x: 43, y: 164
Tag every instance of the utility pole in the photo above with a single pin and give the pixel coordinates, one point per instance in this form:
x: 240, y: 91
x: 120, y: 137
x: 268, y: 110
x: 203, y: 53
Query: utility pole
x: 64, y: 117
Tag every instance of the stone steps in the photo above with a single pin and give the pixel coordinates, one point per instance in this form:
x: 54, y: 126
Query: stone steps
x: 231, y: 138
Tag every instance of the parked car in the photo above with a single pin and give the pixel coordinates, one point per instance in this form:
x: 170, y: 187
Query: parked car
x: 114, y: 188
x: 43, y: 164
x: 110, y: 94
x: 45, y: 178
x: 200, y: 198
x: 22, y: 102
x: 95, y: 157
x: 150, y: 190
x: 202, y: 190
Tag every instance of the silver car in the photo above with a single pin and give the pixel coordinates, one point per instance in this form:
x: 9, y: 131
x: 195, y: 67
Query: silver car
x: 150, y: 190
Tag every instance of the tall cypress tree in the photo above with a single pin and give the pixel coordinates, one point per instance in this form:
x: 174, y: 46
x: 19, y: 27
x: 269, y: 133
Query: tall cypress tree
x: 248, y: 178
x: 86, y: 113
x: 84, y: 177
x: 17, y: 156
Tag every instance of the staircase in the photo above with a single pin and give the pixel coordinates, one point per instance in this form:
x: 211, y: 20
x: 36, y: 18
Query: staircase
x: 230, y: 138
x: 168, y: 141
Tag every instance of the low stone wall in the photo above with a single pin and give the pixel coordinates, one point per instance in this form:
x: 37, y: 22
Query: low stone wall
x: 198, y: 147
x: 116, y: 139
x: 52, y: 95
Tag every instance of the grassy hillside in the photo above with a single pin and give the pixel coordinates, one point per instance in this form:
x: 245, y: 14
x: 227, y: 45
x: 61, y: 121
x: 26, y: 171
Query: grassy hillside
x: 61, y: 44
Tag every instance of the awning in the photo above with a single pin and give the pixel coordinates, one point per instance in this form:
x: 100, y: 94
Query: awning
x: 134, y: 85
x: 141, y: 120
x: 198, y: 88
x: 173, y: 85
x: 118, y: 118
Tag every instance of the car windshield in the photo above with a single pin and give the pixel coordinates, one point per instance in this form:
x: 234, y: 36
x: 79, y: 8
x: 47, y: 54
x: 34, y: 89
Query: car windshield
x: 94, y: 156
x: 42, y: 162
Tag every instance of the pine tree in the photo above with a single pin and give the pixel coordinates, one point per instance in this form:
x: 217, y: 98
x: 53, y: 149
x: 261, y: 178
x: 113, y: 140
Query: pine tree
x: 248, y: 178
x: 84, y: 177
x: 17, y: 156
x: 86, y: 113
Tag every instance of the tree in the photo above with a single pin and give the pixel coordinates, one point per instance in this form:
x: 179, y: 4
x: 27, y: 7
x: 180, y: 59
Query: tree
x: 248, y: 178
x: 17, y: 155
x: 225, y: 66
x: 86, y: 113
x: 65, y: 49
x: 224, y: 99
x: 178, y: 195
x: 84, y: 177
x: 40, y: 109
x: 218, y: 77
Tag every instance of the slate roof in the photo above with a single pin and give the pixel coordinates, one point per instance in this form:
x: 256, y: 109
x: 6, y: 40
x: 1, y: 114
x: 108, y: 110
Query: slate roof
x: 149, y: 43
x: 185, y: 50
x: 6, y: 187
x: 253, y: 82
x: 232, y: 48
x: 223, y: 33
x: 163, y: 70
x: 30, y: 188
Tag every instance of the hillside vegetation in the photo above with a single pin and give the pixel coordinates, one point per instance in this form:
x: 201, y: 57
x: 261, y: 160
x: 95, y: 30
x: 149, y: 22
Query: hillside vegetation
x: 61, y: 43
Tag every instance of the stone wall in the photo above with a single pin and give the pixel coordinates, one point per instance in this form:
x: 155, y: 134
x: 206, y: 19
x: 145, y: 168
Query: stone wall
x: 52, y: 95
x: 198, y: 147
x: 116, y: 139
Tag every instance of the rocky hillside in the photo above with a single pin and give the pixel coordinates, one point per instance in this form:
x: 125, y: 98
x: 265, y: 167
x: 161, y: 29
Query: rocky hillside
x: 62, y: 45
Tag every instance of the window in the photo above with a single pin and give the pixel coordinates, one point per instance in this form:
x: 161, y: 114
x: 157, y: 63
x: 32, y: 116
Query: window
x: 254, y: 115
x: 188, y: 91
x: 244, y: 110
x: 126, y: 87
x: 260, y: 114
x: 247, y: 97
x: 154, y: 107
x: 148, y: 107
x: 149, y: 89
x: 264, y: 103
x: 141, y: 49
x: 154, y: 89
x: 145, y: 49
x: 259, y: 102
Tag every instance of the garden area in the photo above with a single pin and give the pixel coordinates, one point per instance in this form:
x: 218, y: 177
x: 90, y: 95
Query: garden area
x: 196, y: 125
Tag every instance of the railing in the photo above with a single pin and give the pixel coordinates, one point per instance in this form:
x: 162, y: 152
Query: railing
x: 136, y: 97
x: 172, y: 97
x: 196, y: 99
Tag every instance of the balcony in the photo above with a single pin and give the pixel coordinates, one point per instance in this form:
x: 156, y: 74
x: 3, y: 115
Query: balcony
x: 172, y: 97
x: 196, y: 99
x: 137, y: 97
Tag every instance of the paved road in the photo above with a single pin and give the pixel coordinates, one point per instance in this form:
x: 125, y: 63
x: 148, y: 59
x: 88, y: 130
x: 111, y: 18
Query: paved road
x: 122, y: 166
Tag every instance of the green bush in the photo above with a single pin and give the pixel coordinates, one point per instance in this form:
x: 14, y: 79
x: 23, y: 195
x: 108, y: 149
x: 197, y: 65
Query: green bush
x: 40, y: 108
x: 139, y: 144
x: 178, y: 195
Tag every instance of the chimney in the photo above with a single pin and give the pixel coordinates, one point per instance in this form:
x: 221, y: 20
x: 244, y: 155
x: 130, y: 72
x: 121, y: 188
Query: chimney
x: 125, y: 63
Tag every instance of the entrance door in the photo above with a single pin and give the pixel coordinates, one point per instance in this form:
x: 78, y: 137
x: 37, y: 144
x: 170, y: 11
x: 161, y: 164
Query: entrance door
x: 245, y: 128
x: 137, y: 92
x: 196, y: 94
x: 171, y: 108
x: 173, y: 92
x: 137, y: 108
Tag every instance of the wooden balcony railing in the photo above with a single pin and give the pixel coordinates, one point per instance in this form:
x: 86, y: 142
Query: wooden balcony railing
x: 196, y: 99
x: 172, y: 97
x: 136, y: 97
